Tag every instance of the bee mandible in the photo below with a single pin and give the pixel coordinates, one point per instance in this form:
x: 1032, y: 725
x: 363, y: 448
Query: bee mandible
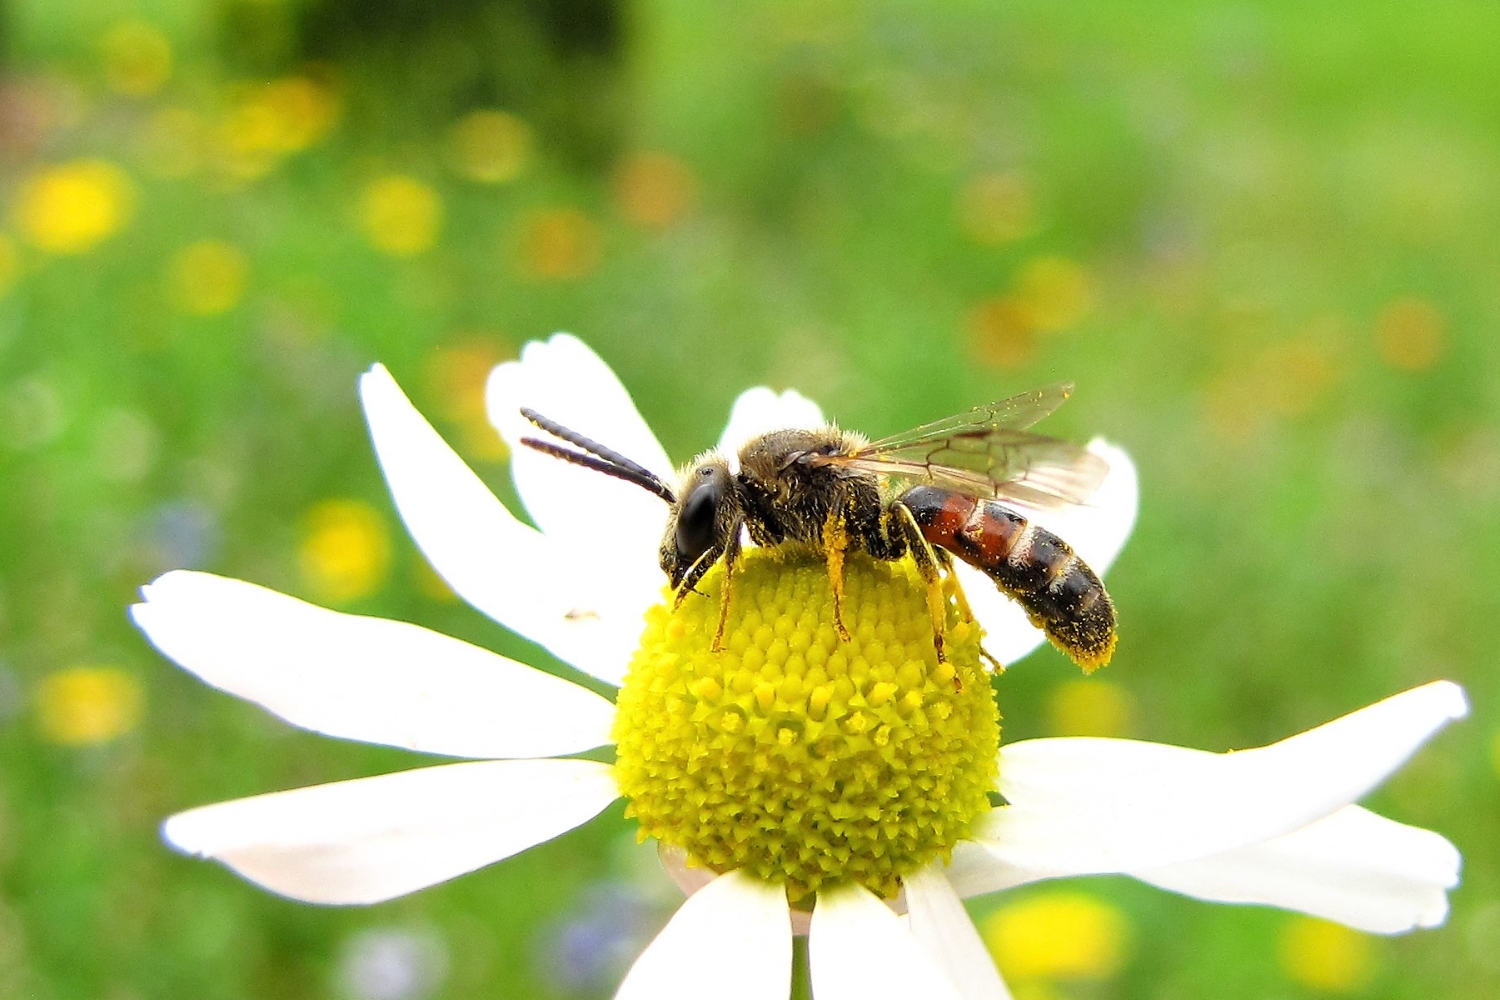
x: 946, y: 489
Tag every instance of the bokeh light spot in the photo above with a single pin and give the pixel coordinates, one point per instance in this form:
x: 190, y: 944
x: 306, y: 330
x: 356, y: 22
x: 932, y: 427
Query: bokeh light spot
x: 1286, y: 379
x: 995, y: 208
x: 1410, y: 334
x: 80, y: 706
x: 1057, y: 935
x: 1056, y: 292
x: 1325, y: 955
x: 560, y: 243
x: 489, y: 146
x: 137, y: 58
x: 346, y: 550
x: 1000, y: 332
x: 268, y: 121
x: 72, y: 207
x: 125, y: 446
x: 207, y: 278
x: 401, y: 215
x: 1091, y: 707
x: 457, y: 376
x: 393, y: 964
x: 32, y: 414
x: 654, y: 190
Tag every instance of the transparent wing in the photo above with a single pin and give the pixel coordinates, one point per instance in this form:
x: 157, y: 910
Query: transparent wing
x: 988, y: 453
x: 1016, y: 413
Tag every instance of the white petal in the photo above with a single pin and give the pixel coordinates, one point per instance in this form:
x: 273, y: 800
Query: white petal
x: 373, y: 839
x: 1354, y: 867
x: 859, y: 949
x: 974, y: 871
x: 689, y: 878
x: 506, y: 569
x: 942, y: 927
x: 363, y: 678
x: 732, y: 940
x: 1096, y: 531
x: 1093, y: 806
x: 612, y: 522
x: 760, y: 410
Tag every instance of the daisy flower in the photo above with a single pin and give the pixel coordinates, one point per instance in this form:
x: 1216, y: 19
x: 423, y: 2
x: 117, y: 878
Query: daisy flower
x: 853, y: 789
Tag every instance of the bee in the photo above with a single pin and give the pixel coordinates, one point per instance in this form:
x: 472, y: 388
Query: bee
x: 948, y: 489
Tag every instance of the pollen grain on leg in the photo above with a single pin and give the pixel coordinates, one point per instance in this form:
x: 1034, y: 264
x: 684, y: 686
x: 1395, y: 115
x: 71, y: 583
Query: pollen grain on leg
x: 799, y: 756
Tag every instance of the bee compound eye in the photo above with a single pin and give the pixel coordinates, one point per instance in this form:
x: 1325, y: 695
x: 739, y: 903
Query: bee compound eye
x: 695, y: 522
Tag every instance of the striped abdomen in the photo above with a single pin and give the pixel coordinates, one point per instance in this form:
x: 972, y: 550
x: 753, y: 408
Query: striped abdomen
x: 1061, y: 595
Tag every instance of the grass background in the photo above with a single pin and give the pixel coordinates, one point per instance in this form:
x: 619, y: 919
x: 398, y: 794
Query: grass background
x: 1260, y: 236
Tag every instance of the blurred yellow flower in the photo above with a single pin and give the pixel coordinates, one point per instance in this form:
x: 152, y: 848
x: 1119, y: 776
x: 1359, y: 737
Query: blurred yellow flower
x: 560, y: 243
x: 73, y: 207
x: 1298, y: 374
x: 1000, y: 332
x: 1055, y: 292
x: 83, y: 705
x: 995, y: 208
x: 206, y: 278
x: 1286, y: 379
x: 10, y: 263
x: 1325, y: 955
x: 271, y: 120
x: 346, y: 551
x: 1057, y: 935
x: 457, y: 375
x: 137, y: 58
x: 654, y: 189
x: 1091, y: 707
x: 1410, y: 334
x: 489, y: 146
x: 401, y: 215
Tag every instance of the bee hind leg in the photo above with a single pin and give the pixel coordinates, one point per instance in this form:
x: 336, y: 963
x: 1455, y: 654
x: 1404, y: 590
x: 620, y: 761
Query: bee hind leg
x: 927, y: 560
x: 953, y: 588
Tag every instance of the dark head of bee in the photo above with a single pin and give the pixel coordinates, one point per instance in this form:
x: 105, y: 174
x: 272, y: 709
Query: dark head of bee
x: 702, y: 521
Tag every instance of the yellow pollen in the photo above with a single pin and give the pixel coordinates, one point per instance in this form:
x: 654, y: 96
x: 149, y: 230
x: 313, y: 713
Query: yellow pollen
x: 798, y: 755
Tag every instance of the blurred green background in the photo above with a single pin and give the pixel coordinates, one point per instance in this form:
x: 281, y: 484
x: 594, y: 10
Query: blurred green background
x: 1260, y: 236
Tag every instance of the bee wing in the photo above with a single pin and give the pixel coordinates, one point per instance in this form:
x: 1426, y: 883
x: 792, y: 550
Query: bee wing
x: 987, y: 452
x: 1016, y: 413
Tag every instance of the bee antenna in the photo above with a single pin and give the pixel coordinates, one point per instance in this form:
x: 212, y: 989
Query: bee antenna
x: 599, y: 458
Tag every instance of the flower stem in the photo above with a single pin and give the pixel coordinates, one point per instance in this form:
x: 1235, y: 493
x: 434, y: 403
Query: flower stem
x: 801, y: 971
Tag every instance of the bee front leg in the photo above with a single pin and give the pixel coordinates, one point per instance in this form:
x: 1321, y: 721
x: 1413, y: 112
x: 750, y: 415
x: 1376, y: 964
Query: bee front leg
x: 695, y: 572
x: 835, y: 544
x: 731, y: 553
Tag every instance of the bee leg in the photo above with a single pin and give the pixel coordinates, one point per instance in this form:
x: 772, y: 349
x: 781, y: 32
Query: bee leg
x: 835, y: 542
x: 695, y: 573
x: 954, y: 588
x: 996, y: 665
x: 926, y: 559
x: 731, y: 553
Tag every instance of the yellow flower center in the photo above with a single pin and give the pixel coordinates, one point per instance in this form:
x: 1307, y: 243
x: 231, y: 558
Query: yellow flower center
x: 797, y: 755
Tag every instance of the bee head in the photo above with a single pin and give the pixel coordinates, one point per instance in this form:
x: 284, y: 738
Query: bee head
x: 702, y: 518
